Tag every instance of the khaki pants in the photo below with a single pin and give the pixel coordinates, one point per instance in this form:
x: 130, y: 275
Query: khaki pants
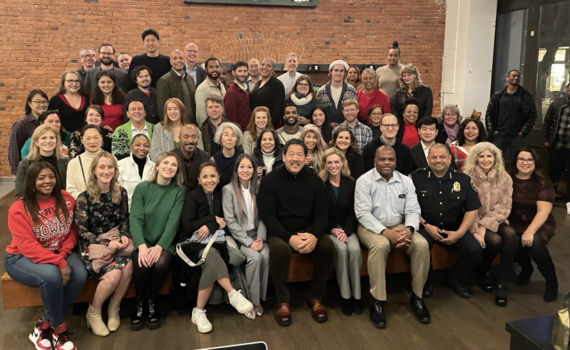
x: 378, y: 249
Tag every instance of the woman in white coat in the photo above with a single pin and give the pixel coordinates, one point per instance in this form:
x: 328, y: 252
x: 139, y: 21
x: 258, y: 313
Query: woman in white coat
x: 242, y: 219
x: 137, y: 167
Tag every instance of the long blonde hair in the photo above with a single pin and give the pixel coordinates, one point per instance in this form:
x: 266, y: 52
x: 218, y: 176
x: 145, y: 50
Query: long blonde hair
x: 178, y: 178
x: 321, y: 145
x: 93, y: 188
x: 166, y: 122
x: 34, y: 154
x: 344, y: 172
x: 471, y: 162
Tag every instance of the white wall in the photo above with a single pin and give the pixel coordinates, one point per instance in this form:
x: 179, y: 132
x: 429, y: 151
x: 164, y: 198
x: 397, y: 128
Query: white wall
x: 468, y: 54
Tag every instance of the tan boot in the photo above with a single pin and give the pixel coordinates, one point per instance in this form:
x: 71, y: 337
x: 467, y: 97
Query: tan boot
x: 114, y: 318
x: 95, y: 322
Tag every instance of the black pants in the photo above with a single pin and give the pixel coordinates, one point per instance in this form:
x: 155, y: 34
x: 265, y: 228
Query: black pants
x: 503, y: 241
x: 558, y: 159
x: 469, y: 255
x: 541, y: 256
x: 149, y: 280
x: 323, y: 258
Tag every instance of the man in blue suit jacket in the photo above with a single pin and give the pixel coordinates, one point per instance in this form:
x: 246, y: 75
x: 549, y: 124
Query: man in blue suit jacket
x: 192, y: 66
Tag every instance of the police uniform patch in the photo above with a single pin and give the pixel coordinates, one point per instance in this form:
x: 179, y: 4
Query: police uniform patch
x: 473, y: 186
x: 456, y: 187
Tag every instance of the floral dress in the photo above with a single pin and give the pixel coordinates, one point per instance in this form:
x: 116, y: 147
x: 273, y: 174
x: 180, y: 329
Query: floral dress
x: 95, y: 219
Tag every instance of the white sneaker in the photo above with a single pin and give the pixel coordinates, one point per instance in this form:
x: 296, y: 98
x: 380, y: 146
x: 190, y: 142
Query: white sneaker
x: 568, y: 208
x: 240, y: 303
x: 42, y: 338
x: 199, y: 319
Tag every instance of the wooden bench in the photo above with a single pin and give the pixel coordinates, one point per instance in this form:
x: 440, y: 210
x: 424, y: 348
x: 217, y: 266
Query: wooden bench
x: 16, y: 295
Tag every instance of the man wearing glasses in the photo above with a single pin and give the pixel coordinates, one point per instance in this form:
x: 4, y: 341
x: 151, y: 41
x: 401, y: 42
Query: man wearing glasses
x: 87, y: 55
x: 106, y: 56
x: 389, y: 127
x: 192, y: 66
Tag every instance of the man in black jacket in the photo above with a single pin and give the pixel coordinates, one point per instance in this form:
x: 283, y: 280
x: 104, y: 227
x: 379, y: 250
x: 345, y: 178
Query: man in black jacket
x: 556, y: 137
x: 293, y: 205
x: 510, y: 116
x: 427, y: 130
x: 190, y: 155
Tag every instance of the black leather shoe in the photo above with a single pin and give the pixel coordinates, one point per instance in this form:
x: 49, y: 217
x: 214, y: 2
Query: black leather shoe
x: 356, y: 306
x: 459, y: 289
x: 377, y: 314
x: 428, y: 290
x: 420, y: 309
x: 153, y: 319
x: 486, y: 282
x: 138, y: 316
x: 346, y: 306
x: 525, y: 275
x: 501, y: 296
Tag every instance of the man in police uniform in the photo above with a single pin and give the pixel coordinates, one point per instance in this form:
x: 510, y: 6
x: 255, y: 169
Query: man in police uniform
x: 449, y: 203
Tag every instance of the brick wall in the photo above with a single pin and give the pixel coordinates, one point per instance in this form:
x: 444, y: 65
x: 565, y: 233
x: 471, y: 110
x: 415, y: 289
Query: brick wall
x: 42, y: 37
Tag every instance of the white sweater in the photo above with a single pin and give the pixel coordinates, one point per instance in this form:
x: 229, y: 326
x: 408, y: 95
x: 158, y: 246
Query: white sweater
x: 77, y: 179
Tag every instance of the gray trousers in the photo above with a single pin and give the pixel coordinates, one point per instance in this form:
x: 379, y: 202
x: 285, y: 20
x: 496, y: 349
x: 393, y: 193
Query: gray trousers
x: 348, y: 266
x: 257, y: 271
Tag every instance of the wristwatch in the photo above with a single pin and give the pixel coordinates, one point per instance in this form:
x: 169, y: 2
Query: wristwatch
x: 423, y: 223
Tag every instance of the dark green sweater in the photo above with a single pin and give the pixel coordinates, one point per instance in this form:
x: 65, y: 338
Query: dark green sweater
x: 155, y: 214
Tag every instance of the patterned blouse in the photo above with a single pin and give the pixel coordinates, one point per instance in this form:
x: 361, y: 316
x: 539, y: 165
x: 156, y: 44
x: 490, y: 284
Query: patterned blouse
x: 95, y: 219
x: 76, y: 146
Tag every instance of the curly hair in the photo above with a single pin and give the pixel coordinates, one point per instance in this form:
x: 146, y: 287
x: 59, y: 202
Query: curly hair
x: 471, y: 162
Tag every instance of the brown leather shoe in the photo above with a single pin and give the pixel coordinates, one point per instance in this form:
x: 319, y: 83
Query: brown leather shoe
x: 283, y: 314
x: 319, y: 310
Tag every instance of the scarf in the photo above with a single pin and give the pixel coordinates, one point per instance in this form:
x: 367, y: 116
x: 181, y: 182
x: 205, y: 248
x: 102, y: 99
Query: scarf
x: 301, y: 100
x: 451, y: 132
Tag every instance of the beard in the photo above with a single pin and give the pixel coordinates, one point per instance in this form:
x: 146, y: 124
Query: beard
x: 106, y: 60
x: 213, y: 75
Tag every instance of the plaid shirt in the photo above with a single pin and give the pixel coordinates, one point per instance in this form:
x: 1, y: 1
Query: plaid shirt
x: 21, y: 131
x: 362, y: 133
x: 562, y: 140
x: 149, y: 102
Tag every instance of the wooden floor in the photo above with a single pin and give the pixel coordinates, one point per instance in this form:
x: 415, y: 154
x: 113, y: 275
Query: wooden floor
x: 475, y: 323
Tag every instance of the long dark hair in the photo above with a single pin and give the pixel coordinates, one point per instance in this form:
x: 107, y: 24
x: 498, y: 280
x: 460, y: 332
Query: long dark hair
x: 482, y: 133
x: 253, y: 185
x: 353, y: 147
x: 277, y: 150
x: 117, y: 96
x: 28, y: 109
x: 42, y: 118
x: 538, y: 175
x: 29, y: 195
x: 326, y: 129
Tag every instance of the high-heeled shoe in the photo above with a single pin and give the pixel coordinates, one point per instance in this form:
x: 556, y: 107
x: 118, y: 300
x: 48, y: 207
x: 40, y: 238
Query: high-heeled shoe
x: 486, y: 282
x: 138, y: 316
x: 114, y: 320
x: 95, y: 322
x: 153, y: 319
x: 501, y: 296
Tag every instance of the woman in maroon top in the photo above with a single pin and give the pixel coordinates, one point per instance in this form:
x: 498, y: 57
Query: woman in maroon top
x: 71, y: 101
x: 409, y: 133
x: 531, y: 217
x: 109, y: 96
x: 369, y: 95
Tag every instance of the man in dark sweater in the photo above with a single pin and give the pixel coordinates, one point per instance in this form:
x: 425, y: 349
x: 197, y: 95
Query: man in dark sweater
x: 158, y: 63
x: 293, y: 205
x: 144, y: 92
x: 106, y: 56
x: 389, y: 127
x: 237, y: 96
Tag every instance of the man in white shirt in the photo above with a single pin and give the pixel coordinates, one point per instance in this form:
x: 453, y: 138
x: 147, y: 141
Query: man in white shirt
x: 192, y: 66
x: 290, y: 77
x: 386, y: 205
x: 254, y: 76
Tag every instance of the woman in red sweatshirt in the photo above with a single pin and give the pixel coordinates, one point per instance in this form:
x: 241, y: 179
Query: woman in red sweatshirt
x: 41, y: 252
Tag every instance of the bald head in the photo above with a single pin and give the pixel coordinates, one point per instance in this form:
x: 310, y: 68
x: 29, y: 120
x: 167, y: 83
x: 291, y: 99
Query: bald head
x: 177, y: 61
x: 254, y: 68
x: 191, y: 54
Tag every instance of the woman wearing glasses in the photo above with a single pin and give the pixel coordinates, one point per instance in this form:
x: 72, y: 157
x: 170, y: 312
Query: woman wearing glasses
x: 71, y: 101
x: 531, y: 217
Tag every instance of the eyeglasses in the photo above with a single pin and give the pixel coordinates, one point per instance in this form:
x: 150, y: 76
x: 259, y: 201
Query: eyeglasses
x: 72, y: 81
x: 87, y: 56
x: 376, y: 113
x: 303, y: 84
x: 40, y: 102
x: 525, y: 160
x: 390, y: 126
x: 450, y: 115
x: 106, y: 53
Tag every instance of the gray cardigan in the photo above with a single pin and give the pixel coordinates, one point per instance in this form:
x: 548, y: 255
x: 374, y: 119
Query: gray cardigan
x: 23, y: 170
x: 236, y: 221
x: 163, y: 141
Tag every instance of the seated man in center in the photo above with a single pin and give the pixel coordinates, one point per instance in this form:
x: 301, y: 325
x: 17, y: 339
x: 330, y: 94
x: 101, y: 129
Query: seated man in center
x: 387, y: 208
x: 293, y: 205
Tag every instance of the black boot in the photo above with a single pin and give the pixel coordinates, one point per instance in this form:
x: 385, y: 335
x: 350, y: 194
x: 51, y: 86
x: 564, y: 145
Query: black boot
x: 486, y: 282
x: 501, y: 295
x: 346, y: 306
x: 525, y: 275
x: 549, y: 273
x: 153, y: 319
x: 138, y: 316
x: 356, y: 306
x: 377, y: 313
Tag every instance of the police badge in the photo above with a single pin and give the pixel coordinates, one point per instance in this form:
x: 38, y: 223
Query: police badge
x: 456, y: 187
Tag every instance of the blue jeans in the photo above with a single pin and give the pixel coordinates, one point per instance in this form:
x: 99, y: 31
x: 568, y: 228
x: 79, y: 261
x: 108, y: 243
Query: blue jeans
x: 47, y: 277
x: 509, y: 145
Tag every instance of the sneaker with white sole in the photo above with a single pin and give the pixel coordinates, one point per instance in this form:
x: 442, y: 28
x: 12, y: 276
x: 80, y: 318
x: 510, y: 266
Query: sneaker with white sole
x: 199, y: 319
x: 41, y: 336
x: 240, y: 303
x: 62, y: 341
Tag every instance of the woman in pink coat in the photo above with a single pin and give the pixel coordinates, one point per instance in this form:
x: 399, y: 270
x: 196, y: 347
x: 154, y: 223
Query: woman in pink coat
x: 491, y: 228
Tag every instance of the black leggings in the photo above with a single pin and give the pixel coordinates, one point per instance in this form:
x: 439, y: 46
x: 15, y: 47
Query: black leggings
x: 149, y: 280
x: 505, y: 242
x: 541, y: 256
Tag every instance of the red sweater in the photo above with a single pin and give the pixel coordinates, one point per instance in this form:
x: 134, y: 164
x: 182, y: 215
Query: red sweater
x: 48, y: 242
x: 365, y: 101
x: 236, y: 104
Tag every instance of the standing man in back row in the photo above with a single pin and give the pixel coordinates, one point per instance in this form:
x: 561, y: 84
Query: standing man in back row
x: 192, y: 66
x: 290, y: 76
x: 158, y: 63
x: 210, y: 86
x: 510, y: 116
x: 106, y: 56
x: 331, y: 95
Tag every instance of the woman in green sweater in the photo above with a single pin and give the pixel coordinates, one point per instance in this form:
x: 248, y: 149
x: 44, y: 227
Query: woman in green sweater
x: 155, y: 215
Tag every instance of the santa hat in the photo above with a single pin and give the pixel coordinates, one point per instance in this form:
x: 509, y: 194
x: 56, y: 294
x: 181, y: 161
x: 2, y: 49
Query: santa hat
x: 337, y: 62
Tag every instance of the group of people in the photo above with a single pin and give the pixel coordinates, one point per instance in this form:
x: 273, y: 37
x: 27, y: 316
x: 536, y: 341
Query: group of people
x: 182, y: 161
